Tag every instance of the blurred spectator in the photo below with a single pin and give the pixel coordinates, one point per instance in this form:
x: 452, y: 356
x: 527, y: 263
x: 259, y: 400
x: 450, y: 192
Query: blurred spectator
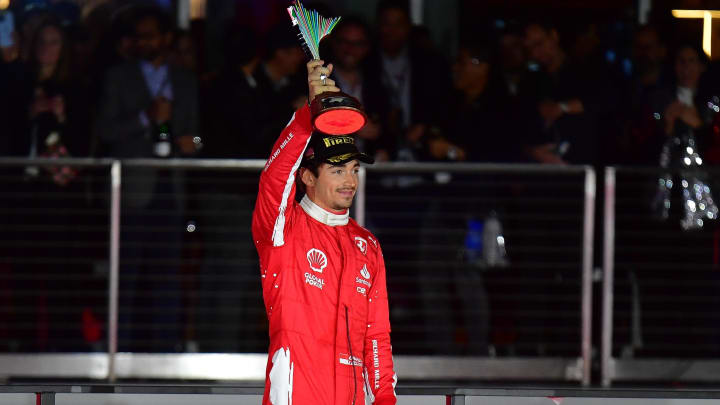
x: 48, y: 119
x: 139, y: 98
x: 563, y: 103
x: 184, y: 52
x: 480, y: 128
x: 512, y: 61
x: 53, y: 100
x: 351, y: 46
x: 649, y: 76
x: 672, y: 109
x: 253, y: 99
x: 417, y: 82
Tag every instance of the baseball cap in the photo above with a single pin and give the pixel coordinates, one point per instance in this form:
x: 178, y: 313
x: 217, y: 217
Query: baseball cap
x: 335, y: 150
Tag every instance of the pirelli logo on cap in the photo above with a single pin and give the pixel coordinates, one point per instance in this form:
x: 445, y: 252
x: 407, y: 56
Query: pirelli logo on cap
x: 338, y: 140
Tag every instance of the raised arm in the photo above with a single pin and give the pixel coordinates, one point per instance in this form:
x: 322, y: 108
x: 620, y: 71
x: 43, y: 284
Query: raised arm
x: 277, y: 181
x: 380, y: 378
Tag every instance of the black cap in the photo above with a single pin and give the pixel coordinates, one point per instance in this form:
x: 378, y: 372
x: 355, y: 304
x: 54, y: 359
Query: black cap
x: 333, y: 149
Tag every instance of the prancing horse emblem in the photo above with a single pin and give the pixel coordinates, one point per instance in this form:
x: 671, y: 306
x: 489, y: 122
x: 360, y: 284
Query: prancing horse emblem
x: 361, y: 244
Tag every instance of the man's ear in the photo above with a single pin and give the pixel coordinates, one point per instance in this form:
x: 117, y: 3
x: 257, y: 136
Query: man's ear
x: 307, y: 177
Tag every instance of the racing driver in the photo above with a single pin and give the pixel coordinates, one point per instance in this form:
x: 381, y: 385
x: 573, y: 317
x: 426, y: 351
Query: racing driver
x: 323, y: 275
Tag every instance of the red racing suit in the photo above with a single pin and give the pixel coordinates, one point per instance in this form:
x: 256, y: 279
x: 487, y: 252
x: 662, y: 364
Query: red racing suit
x: 323, y: 279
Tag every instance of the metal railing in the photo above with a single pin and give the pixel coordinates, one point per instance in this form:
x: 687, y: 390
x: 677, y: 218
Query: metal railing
x: 660, y: 287
x: 131, y: 394
x: 564, y: 279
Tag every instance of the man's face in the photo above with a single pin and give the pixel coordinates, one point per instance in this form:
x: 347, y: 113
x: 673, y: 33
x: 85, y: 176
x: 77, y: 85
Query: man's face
x: 351, y: 46
x: 648, y: 51
x: 394, y: 30
x: 688, y: 67
x: 542, y: 45
x: 469, y: 72
x: 150, y: 42
x: 290, y: 59
x: 335, y: 186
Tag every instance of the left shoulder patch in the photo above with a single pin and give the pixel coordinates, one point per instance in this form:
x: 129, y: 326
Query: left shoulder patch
x: 361, y: 243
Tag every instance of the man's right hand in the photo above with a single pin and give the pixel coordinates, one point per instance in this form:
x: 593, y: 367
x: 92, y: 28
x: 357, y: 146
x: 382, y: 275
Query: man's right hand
x: 315, y: 83
x: 160, y: 110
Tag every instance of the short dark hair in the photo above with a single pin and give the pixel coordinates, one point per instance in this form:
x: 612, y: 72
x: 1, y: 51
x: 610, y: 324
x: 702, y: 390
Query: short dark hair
x: 702, y: 57
x: 308, y: 164
x: 352, y: 21
x: 163, y: 20
x: 385, y: 5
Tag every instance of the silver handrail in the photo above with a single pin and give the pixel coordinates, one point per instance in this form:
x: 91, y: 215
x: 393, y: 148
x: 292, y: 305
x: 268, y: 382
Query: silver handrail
x: 587, y: 270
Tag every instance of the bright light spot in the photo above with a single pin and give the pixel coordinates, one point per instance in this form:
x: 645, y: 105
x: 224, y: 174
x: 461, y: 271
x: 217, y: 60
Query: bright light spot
x: 699, y: 222
x: 691, y: 205
x: 685, y: 183
x: 501, y: 241
x: 687, y: 161
x: 4, y: 4
x: 669, y: 184
x: 657, y: 116
x: 190, y: 226
x: 698, y: 160
x: 689, y: 150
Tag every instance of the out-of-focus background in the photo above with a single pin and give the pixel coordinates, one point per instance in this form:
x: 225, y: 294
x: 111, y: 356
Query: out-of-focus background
x: 543, y: 192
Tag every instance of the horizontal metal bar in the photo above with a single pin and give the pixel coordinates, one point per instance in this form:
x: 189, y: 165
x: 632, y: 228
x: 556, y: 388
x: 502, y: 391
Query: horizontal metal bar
x: 690, y: 370
x: 449, y: 390
x: 251, y: 367
x: 390, y: 167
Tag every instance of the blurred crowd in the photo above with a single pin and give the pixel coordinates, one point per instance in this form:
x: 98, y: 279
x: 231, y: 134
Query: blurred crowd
x: 522, y: 93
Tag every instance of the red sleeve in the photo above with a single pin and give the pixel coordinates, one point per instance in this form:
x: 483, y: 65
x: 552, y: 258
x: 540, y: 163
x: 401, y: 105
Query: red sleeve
x: 380, y: 378
x: 277, y: 181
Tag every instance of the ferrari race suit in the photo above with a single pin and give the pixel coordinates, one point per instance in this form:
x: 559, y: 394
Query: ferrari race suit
x: 323, y: 279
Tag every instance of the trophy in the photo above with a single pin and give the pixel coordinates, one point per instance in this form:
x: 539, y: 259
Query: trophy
x: 333, y: 113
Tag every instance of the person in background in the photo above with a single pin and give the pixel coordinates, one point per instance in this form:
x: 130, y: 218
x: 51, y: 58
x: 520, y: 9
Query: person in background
x: 149, y: 109
x: 649, y: 77
x: 350, y: 48
x: 563, y: 103
x: 48, y: 119
x: 417, y: 83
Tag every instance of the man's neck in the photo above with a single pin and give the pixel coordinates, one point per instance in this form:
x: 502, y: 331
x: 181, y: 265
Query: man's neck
x: 473, y: 93
x: 351, y: 76
x: 157, y: 62
x: 557, y: 63
x: 46, y: 72
x: 324, y: 215
x: 273, y: 71
x: 394, y: 53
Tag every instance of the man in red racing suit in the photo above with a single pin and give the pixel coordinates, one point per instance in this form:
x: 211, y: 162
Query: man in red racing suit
x: 323, y: 275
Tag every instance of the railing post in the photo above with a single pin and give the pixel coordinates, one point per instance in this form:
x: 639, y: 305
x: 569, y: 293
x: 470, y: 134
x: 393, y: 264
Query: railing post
x: 113, y: 277
x: 45, y: 398
x: 360, y: 197
x: 587, y: 270
x: 608, y: 276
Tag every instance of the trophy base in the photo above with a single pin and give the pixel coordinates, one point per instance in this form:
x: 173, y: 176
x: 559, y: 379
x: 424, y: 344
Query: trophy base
x: 337, y: 114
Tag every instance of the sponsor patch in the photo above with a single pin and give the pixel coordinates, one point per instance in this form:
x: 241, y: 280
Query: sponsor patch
x: 347, y: 360
x: 361, y: 243
x: 363, y: 282
x: 317, y: 260
x: 362, y: 290
x: 364, y: 272
x: 314, y: 280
